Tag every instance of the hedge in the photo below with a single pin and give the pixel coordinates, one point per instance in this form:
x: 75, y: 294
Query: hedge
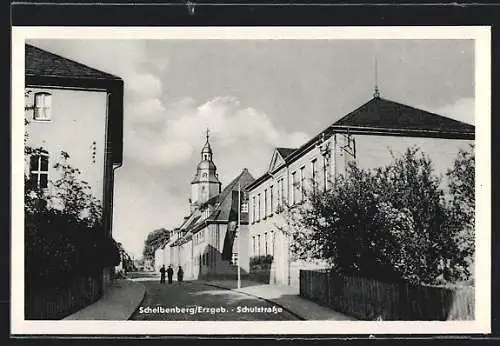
x: 59, y: 249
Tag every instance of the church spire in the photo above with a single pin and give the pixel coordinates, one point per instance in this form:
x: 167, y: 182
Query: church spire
x: 206, y: 151
x: 205, y: 183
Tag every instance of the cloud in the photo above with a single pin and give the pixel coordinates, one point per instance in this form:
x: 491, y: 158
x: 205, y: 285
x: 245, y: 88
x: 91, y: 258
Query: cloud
x: 162, y: 147
x: 143, y: 85
x: 234, y: 130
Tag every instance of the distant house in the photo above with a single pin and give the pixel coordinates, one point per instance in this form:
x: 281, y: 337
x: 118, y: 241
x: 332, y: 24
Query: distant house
x: 160, y: 254
x: 205, y: 244
x: 74, y: 108
x: 367, y: 136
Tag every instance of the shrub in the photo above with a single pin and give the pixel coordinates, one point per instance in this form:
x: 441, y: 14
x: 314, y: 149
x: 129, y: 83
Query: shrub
x: 261, y: 261
x: 64, y: 234
x: 389, y: 223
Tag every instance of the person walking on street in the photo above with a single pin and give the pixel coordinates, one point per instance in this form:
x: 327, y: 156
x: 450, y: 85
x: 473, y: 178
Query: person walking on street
x: 170, y: 273
x: 162, y: 274
x: 180, y: 274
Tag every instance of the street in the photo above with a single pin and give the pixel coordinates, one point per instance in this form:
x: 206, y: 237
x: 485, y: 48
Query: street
x: 194, y: 301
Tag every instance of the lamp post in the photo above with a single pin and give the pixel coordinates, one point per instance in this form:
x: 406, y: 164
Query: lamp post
x: 238, y: 233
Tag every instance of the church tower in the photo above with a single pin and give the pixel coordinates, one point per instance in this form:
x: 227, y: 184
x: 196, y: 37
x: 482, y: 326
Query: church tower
x: 205, y: 184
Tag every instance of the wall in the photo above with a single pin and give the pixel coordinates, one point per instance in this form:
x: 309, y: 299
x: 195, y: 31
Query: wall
x: 374, y: 151
x: 159, y: 256
x: 78, y: 119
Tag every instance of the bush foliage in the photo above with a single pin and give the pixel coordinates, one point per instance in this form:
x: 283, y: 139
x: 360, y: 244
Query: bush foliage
x: 64, y: 233
x: 264, y: 260
x: 391, y: 223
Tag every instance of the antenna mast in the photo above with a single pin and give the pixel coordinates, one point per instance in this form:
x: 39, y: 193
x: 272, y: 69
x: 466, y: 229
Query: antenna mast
x: 376, y: 92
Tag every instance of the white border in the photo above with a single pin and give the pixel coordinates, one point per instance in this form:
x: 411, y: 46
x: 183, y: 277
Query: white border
x: 482, y: 324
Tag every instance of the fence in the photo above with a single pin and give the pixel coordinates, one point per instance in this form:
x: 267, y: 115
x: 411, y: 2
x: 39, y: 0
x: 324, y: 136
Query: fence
x: 369, y: 299
x: 56, y: 303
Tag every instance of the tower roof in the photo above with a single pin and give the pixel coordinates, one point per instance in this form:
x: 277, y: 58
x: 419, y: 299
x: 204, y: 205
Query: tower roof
x: 207, y: 149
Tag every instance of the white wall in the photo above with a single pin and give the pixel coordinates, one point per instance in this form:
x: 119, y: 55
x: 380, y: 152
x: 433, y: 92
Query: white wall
x: 374, y: 151
x: 78, y: 118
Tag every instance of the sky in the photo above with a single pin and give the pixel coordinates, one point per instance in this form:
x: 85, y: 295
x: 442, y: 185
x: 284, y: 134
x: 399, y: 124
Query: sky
x: 253, y: 95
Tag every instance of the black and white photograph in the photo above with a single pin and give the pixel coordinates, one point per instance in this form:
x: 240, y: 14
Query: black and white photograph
x: 251, y: 180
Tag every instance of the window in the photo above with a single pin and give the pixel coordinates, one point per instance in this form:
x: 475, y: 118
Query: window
x: 39, y: 169
x: 265, y: 243
x: 265, y: 203
x: 325, y: 173
x: 43, y: 101
x: 314, y: 174
x: 302, y: 182
x: 253, y: 246
x: 281, y: 193
x: 272, y: 242
x: 271, y: 201
x: 283, y: 196
x: 253, y: 209
x: 258, y: 212
x: 295, y: 187
x: 258, y: 245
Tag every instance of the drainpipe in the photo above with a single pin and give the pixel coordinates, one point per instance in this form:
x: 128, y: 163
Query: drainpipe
x: 333, y: 159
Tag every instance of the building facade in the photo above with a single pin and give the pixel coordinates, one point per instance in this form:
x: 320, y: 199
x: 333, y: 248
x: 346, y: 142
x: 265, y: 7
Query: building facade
x: 206, y: 243
x: 73, y: 108
x: 370, y: 135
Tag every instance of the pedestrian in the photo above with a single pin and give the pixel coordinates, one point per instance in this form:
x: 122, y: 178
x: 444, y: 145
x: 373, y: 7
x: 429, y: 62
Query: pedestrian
x: 162, y: 274
x: 170, y: 273
x: 180, y: 274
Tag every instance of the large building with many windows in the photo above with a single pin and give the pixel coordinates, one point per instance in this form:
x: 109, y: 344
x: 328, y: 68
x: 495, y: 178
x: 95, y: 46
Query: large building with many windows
x: 369, y: 135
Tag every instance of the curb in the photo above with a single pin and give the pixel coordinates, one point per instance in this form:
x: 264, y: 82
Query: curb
x: 140, y: 300
x: 258, y: 297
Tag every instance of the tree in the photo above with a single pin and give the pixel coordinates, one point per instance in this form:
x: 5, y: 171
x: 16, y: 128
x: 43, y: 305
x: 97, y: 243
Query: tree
x: 461, y: 204
x: 387, y: 223
x: 127, y: 262
x: 153, y: 241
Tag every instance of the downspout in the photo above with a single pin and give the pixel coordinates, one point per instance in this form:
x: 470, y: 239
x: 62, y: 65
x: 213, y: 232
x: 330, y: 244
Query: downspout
x: 287, y: 234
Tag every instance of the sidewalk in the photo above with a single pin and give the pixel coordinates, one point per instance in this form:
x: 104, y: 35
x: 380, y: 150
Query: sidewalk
x: 119, y: 302
x: 285, y: 296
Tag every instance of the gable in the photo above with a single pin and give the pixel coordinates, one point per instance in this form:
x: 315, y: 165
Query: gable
x: 276, y: 160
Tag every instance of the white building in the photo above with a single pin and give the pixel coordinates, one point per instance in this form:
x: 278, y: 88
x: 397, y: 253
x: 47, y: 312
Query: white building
x: 77, y: 109
x: 367, y: 135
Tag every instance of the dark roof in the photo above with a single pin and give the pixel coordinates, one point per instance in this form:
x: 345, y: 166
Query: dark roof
x: 379, y: 113
x: 284, y: 152
x: 39, y: 62
x: 384, y: 117
x: 225, y: 205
